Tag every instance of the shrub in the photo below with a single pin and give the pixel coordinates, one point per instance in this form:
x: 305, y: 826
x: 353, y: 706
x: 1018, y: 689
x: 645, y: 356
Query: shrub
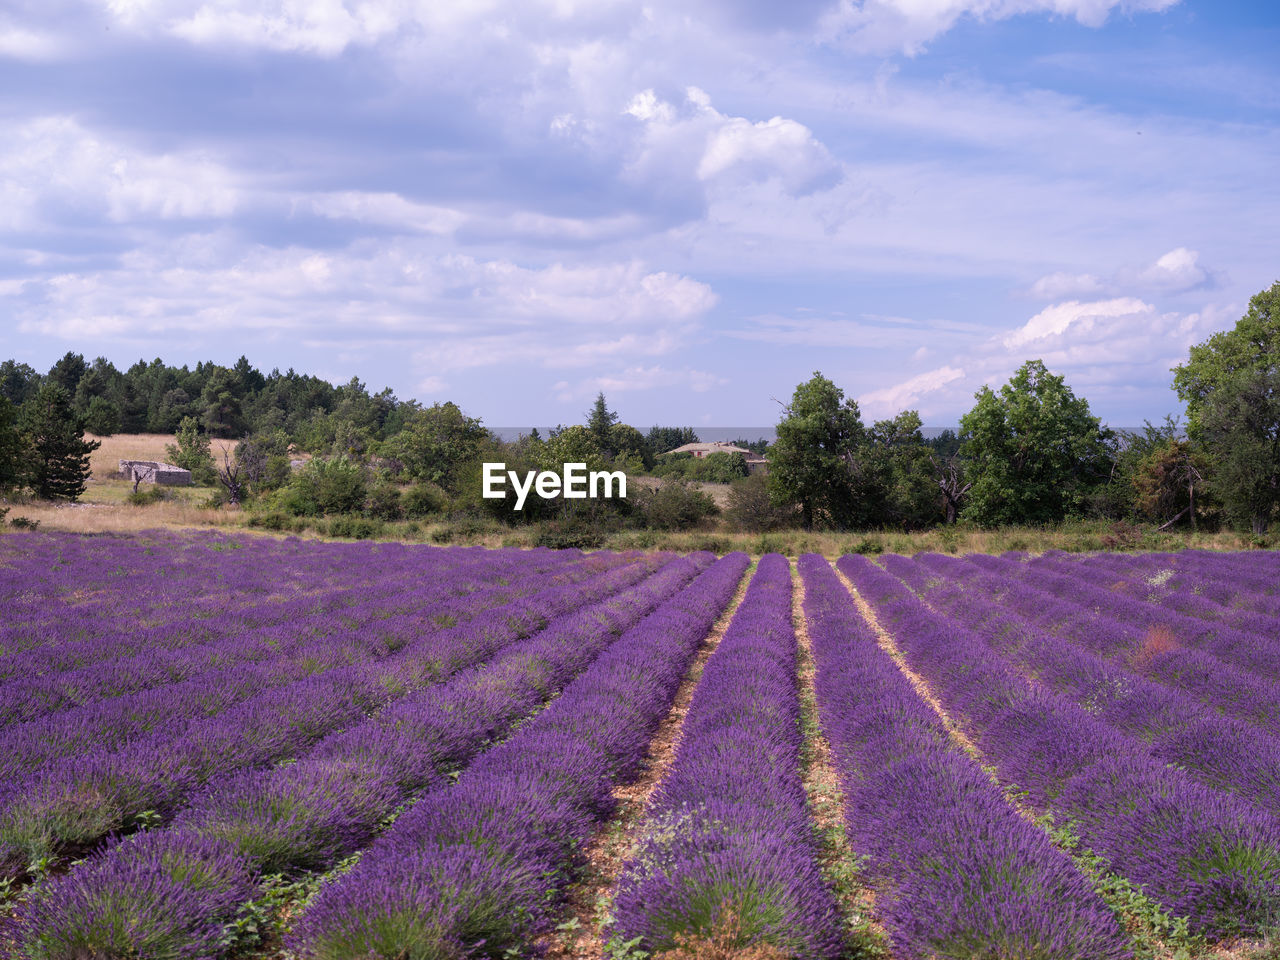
x: 570, y: 533
x: 674, y: 506
x: 867, y: 547
x: 384, y: 502
x: 423, y: 500
x: 354, y: 528
x: 143, y: 498
x: 751, y: 508
x: 24, y: 523
x: 324, y: 487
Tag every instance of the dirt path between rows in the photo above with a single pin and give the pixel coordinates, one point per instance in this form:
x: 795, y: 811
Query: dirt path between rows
x: 582, y: 935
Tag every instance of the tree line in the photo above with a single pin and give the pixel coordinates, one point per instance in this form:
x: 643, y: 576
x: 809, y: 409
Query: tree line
x: 1030, y: 452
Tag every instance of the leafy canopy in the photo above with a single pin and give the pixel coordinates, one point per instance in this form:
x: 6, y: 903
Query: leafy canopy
x: 1033, y: 450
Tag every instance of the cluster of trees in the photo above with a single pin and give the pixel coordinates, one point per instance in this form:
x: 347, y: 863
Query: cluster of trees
x: 226, y: 402
x: 1033, y: 453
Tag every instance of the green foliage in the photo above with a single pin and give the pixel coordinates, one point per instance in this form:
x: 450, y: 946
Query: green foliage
x: 1231, y: 386
x: 148, y: 496
x: 384, y: 502
x: 817, y: 458
x: 665, y: 439
x: 1033, y: 450
x: 326, y: 487
x: 424, y: 500
x: 11, y: 447
x: 571, y: 532
x: 57, y: 461
x: 221, y: 404
x: 102, y: 417
x: 751, y: 508
x: 600, y: 422
x: 263, y: 459
x: 22, y: 523
x: 672, y: 506
x: 628, y: 443
x: 436, y: 443
x: 899, y: 459
x: 192, y: 452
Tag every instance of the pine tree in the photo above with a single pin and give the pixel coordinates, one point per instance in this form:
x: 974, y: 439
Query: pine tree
x: 600, y: 421
x: 58, y: 464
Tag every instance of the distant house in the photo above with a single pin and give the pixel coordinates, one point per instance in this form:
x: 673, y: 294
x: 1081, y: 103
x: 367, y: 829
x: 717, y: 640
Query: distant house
x: 699, y: 450
x: 153, y: 471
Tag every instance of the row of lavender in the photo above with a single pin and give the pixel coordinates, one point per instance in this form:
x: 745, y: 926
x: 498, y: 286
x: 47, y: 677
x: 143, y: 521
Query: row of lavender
x: 961, y: 873
x: 92, y: 780
x: 729, y: 848
x: 1205, y: 853
x: 177, y: 886
x: 478, y: 869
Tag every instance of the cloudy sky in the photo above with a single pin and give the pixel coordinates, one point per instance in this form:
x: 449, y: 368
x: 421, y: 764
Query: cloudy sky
x: 688, y: 205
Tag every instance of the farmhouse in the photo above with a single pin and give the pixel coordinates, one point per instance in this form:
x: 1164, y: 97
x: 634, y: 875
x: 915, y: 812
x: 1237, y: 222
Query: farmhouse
x: 699, y: 450
x: 153, y: 471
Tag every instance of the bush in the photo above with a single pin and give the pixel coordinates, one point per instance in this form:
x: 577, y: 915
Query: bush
x: 355, y: 528
x: 143, y: 498
x: 24, y: 523
x: 867, y: 547
x: 751, y: 508
x: 674, y: 506
x: 325, y: 487
x: 273, y: 520
x: 570, y: 533
x: 424, y: 500
x: 384, y: 502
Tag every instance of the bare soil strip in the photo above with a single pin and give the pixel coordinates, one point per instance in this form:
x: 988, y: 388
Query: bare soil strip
x: 826, y: 803
x: 582, y: 934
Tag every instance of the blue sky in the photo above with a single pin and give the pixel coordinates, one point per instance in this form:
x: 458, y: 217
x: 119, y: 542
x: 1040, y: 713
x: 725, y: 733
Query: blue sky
x: 692, y: 207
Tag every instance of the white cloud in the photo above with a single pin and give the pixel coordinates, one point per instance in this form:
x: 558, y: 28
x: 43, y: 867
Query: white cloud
x: 20, y: 43
x: 1054, y: 321
x: 1176, y: 270
x: 907, y: 395
x: 889, y: 26
x: 1057, y: 285
x: 694, y: 140
x: 383, y: 209
x: 53, y: 166
x: 447, y: 312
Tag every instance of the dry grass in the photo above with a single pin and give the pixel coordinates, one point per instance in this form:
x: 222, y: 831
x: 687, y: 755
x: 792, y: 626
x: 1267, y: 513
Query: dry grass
x: 105, y: 461
x: 122, y: 518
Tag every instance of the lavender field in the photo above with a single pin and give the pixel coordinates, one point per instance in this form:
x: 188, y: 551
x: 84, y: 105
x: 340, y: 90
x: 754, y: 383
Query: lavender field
x: 242, y: 747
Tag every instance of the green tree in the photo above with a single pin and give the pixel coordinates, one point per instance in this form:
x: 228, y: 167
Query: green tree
x: 221, y: 404
x: 815, y: 460
x: 11, y: 446
x: 18, y: 381
x: 665, y: 439
x: 901, y: 460
x: 191, y: 452
x: 437, y: 443
x: 1033, y: 451
x: 628, y: 443
x: 600, y: 421
x: 57, y: 466
x: 66, y: 373
x: 1231, y: 386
